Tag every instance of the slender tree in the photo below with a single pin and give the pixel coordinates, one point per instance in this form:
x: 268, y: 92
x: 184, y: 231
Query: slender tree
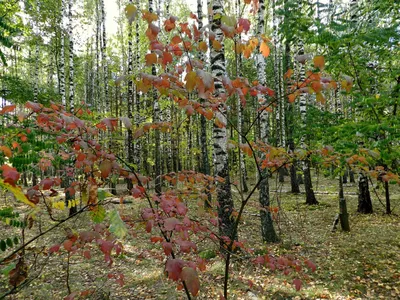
x: 268, y: 233
x: 221, y: 162
x: 310, y: 196
x: 205, y: 164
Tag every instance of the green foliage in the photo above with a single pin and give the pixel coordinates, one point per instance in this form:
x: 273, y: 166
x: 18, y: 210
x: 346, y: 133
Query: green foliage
x: 11, y: 218
x: 117, y: 226
x: 8, y: 243
x: 18, y: 90
x: 98, y: 214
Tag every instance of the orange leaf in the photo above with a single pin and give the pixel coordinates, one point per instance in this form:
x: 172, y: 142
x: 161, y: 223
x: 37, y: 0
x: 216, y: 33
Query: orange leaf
x: 176, y: 40
x: 167, y: 58
x: 247, y: 52
x: 208, y: 114
x: 216, y: 45
x: 316, y: 86
x: 149, y: 17
x: 150, y: 58
x: 292, y: 98
x: 319, y: 62
x: 7, y: 109
x: 264, y: 49
x: 105, y: 168
x: 6, y: 150
x: 203, y: 46
x: 288, y: 74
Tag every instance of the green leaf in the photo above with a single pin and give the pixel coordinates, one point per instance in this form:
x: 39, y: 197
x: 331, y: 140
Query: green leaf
x: 9, y: 242
x: 98, y: 214
x: 3, y: 245
x: 117, y: 226
x: 6, y: 270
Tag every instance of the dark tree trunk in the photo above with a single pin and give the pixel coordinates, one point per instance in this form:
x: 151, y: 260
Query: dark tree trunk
x: 364, y: 197
x: 310, y: 196
x: 267, y: 227
x: 351, y: 175
x: 343, y: 215
x: 281, y: 174
x: 387, y: 197
x: 345, y: 175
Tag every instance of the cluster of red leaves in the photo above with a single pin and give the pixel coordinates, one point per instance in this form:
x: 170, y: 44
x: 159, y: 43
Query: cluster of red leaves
x: 83, y: 243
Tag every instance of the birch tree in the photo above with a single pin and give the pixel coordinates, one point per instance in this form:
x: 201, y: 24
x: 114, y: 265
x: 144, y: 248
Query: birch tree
x: 220, y: 135
x: 268, y: 233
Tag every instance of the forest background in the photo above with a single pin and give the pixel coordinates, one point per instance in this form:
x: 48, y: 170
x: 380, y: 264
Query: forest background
x: 142, y: 141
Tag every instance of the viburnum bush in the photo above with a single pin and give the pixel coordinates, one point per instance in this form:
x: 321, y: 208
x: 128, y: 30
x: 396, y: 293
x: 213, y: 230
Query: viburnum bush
x: 72, y: 146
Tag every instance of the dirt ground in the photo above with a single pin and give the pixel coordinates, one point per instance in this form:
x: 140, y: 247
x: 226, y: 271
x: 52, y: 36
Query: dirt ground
x: 362, y: 264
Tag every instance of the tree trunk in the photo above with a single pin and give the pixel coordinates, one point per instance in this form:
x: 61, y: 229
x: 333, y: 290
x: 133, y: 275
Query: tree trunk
x: 205, y: 163
x: 156, y: 118
x: 343, y: 215
x: 364, y: 197
x: 221, y: 161
x: 310, y: 196
x: 268, y: 233
x: 129, y: 145
x: 68, y: 196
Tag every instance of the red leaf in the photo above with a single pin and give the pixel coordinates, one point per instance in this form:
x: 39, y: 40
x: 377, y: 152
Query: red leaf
x: 33, y: 106
x: 149, y: 226
x: 297, y: 284
x: 138, y: 192
x: 167, y: 248
x: 156, y: 239
x: 191, y: 279
x: 167, y: 58
x: 169, y: 223
x: 68, y: 245
x: 54, y: 248
x: 201, y: 264
x: 7, y: 109
x: 10, y: 174
x: 47, y: 183
x: 245, y: 23
x: 185, y: 246
x: 174, y: 268
x: 71, y: 296
x: 311, y: 265
x: 86, y: 254
x: 81, y: 156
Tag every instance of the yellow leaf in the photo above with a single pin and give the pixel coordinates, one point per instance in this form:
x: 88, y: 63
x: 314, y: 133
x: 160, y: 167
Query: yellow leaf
x: 190, y: 81
x: 264, y: 49
x: 17, y: 192
x: 131, y: 12
x: 319, y: 62
x: 320, y: 98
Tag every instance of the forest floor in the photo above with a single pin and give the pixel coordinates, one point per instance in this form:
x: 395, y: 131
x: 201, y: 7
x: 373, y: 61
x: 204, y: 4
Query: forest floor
x: 362, y: 264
